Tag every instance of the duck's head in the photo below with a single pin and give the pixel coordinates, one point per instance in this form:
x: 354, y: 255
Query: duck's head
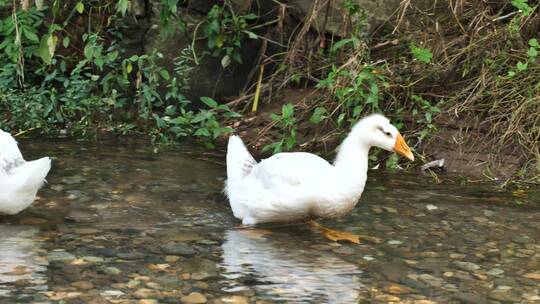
x: 377, y: 131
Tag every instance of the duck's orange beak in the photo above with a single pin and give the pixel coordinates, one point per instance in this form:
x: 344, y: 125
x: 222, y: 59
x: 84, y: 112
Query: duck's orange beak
x: 400, y: 147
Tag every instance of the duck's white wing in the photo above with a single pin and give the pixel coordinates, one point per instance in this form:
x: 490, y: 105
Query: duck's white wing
x: 290, y: 170
x: 280, y: 188
x: 10, y: 155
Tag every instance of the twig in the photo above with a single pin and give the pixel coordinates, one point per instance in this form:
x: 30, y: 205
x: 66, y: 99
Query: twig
x: 504, y: 16
x: 193, y: 43
x: 384, y: 44
x: 258, y: 90
x: 405, y: 4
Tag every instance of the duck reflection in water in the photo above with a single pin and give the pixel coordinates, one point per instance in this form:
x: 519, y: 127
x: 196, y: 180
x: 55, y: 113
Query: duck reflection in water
x: 280, y: 269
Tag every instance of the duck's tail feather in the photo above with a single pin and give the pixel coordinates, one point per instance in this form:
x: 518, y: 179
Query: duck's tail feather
x: 239, y: 160
x: 23, y: 184
x: 31, y: 175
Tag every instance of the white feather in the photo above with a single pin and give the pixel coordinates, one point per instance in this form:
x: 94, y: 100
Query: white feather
x: 19, y: 180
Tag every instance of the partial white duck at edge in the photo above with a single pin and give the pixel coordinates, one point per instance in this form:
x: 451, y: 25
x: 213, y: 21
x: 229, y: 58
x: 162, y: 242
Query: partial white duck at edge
x: 19, y: 179
x: 299, y: 185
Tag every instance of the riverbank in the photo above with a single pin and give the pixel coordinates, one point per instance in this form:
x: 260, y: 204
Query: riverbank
x: 460, y: 80
x: 460, y: 142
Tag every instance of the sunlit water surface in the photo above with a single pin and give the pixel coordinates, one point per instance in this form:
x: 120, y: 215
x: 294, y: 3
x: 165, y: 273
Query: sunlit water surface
x: 119, y: 223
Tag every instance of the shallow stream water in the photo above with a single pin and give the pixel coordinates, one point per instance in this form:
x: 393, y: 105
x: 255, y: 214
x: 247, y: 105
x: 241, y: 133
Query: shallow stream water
x: 117, y: 223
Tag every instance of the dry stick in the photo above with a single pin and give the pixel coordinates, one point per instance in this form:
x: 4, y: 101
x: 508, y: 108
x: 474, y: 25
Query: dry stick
x: 258, y: 90
x: 24, y: 132
x: 313, y: 15
x: 18, y: 43
x: 240, y: 99
x: 385, y: 44
x: 291, y: 53
x: 281, y: 18
x: 193, y: 43
x: 454, y: 14
x: 405, y: 4
x: 25, y: 5
x: 322, y: 34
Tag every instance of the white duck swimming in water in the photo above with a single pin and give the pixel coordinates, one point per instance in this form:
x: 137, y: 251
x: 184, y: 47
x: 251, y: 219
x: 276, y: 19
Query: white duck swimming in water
x: 299, y: 185
x: 19, y: 180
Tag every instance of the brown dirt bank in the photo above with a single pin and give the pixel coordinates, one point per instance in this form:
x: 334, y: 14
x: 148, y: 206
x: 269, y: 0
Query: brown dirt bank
x: 460, y: 141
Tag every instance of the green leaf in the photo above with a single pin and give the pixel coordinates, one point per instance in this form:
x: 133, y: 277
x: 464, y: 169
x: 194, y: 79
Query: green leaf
x: 250, y: 17
x: 178, y: 121
x: 112, y: 56
x: 428, y: 116
x: 357, y: 110
x: 209, y: 101
x: 44, y: 51
x: 287, y: 110
x: 534, y: 43
x: 164, y: 74
x: 122, y: 6
x: 521, y: 66
x: 79, y: 7
x: 523, y: 6
x: 225, y: 61
x: 51, y: 43
x: 275, y: 117
x: 65, y: 42
x: 422, y: 54
x: 30, y: 35
x: 129, y: 67
x: 340, y: 119
x: 318, y: 115
x: 290, y: 142
x: 202, y: 132
x: 172, y: 6
x: 251, y: 35
x: 532, y: 53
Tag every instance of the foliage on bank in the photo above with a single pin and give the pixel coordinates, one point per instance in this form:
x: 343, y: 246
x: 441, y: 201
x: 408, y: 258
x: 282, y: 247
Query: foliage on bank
x: 53, y: 80
x: 474, y: 62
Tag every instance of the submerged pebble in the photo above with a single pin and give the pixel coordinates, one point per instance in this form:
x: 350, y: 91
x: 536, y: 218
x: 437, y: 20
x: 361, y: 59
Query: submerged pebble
x: 130, y: 226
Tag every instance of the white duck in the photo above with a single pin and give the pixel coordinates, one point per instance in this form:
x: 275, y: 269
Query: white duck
x: 19, y: 180
x: 299, y: 185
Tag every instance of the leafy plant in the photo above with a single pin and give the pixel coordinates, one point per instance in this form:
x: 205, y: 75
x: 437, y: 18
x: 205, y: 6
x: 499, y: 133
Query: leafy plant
x: 356, y: 91
x: 424, y: 111
x: 225, y: 31
x: 421, y: 54
x: 20, y: 40
x: 532, y: 54
x: 202, y: 123
x: 523, y: 6
x: 319, y: 114
x: 287, y: 125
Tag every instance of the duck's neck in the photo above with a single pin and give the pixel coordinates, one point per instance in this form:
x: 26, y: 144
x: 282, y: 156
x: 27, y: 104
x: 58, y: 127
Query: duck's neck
x: 350, y: 177
x: 352, y: 158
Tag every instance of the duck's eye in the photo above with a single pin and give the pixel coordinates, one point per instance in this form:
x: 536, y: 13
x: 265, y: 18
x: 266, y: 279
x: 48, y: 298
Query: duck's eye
x: 385, y: 132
